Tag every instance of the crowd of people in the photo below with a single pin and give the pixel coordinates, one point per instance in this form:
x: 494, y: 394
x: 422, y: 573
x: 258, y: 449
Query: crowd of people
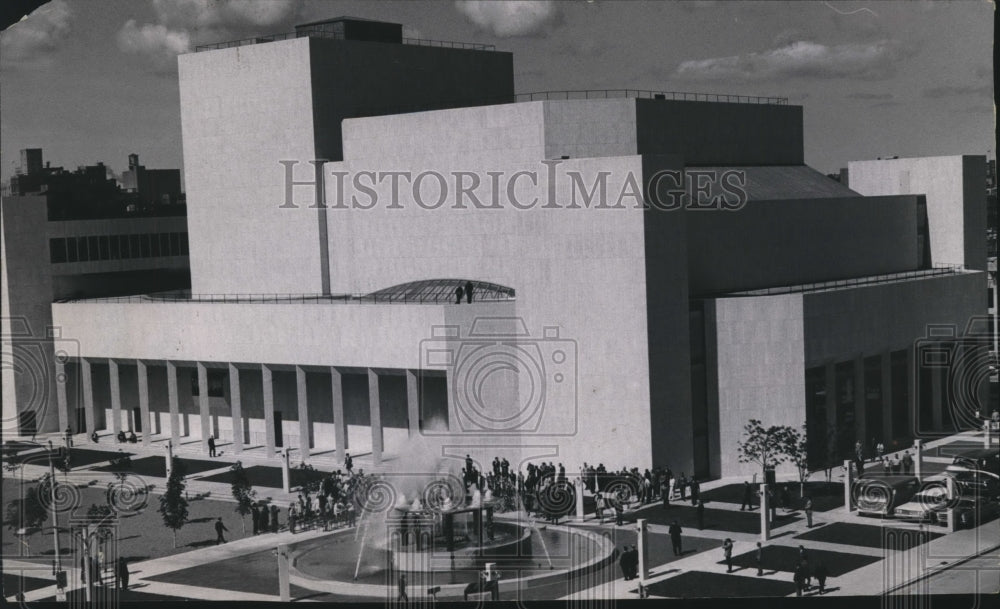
x: 332, y: 502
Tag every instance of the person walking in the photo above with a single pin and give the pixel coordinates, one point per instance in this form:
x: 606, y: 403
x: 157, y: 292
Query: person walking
x: 219, y: 529
x: 211, y: 446
x: 675, y: 538
x: 747, y: 496
x: 727, y: 550
x: 799, y: 579
x: 759, y: 556
x: 700, y: 509
x: 820, y: 572
x: 402, y: 598
x: 348, y: 463
x: 808, y: 508
x: 619, y: 514
x: 122, y: 573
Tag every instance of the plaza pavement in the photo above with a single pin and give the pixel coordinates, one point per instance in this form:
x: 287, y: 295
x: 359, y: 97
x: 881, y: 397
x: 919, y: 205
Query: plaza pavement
x: 898, y: 570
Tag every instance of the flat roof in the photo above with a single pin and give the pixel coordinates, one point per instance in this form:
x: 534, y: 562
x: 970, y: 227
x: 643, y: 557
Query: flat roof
x: 769, y: 183
x: 856, y: 282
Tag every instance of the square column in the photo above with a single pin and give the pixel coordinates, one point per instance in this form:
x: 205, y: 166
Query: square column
x: 203, y: 406
x: 61, y: 402
x: 375, y: 411
x: 412, y: 403
x: 339, y: 424
x: 175, y: 412
x: 237, y: 408
x: 116, y: 397
x: 861, y: 431
x: 831, y: 402
x: 267, y: 390
x: 303, y: 402
x: 912, y: 416
x: 938, y: 386
x: 887, y: 429
x: 143, y: 401
x: 88, y: 395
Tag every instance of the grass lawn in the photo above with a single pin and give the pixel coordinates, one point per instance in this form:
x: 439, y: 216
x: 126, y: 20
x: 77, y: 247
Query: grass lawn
x: 270, y: 477
x: 718, y: 520
x: 14, y: 582
x: 703, y: 584
x: 868, y: 536
x: 785, y: 558
x: 825, y: 495
x: 156, y: 467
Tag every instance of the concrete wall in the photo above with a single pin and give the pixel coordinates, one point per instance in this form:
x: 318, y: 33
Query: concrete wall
x: 843, y: 324
x: 590, y: 128
x: 788, y: 242
x: 581, y: 270
x: 760, y: 354
x: 710, y: 133
x: 956, y: 200
x: 242, y: 111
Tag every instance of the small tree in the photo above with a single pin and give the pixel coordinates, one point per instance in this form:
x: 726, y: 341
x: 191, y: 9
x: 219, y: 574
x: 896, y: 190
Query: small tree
x: 797, y: 451
x: 173, y: 505
x: 243, y: 493
x: 26, y: 513
x: 766, y: 447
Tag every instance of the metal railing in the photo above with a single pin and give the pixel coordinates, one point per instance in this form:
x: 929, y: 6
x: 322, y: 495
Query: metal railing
x: 394, y: 298
x: 643, y: 94
x: 855, y: 282
x: 229, y: 44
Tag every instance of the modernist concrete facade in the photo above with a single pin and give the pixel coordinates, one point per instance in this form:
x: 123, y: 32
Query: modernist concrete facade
x: 631, y: 334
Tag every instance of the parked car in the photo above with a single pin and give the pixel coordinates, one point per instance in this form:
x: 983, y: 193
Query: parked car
x: 924, y: 506
x: 880, y: 495
x: 979, y: 483
x: 931, y: 505
x: 976, y: 459
x: 971, y: 513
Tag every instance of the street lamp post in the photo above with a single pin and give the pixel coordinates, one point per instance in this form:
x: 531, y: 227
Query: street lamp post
x: 55, y: 519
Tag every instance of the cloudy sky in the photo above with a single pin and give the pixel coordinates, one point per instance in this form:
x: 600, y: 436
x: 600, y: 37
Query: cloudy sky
x: 93, y: 80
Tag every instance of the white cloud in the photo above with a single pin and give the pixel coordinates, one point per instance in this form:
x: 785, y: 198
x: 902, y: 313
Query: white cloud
x: 802, y: 59
x: 508, y: 18
x: 38, y: 34
x: 155, y: 41
x: 223, y: 14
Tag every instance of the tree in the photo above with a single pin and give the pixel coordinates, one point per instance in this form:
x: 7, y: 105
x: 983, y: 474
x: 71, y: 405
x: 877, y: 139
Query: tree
x: 797, y: 450
x: 26, y: 513
x: 766, y: 447
x: 173, y: 505
x: 243, y: 493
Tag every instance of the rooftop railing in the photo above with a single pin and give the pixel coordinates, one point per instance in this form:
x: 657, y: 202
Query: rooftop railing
x: 643, y: 94
x: 855, y: 282
x: 181, y: 298
x: 449, y: 44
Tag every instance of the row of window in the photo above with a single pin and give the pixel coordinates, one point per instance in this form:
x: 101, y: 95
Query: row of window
x: 117, y: 247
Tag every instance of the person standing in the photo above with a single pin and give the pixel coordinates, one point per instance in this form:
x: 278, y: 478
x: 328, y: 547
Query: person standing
x: 211, y: 446
x: 255, y: 516
x: 402, y: 598
x: 599, y: 507
x: 820, y: 572
x: 808, y: 508
x: 348, y: 463
x: 759, y: 556
x: 695, y: 490
x: 675, y: 538
x: 879, y: 449
x: 122, y: 573
x: 458, y: 294
x: 69, y: 438
x: 700, y: 509
x: 623, y: 562
x: 274, y: 518
x: 727, y: 550
x: 468, y: 292
x: 907, y: 463
x: 683, y: 482
x: 619, y: 514
x: 219, y: 529
x: 798, y: 578
x: 747, y: 496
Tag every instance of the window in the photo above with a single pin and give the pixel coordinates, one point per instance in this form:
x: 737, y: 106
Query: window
x: 71, y: 252
x: 164, y: 244
x: 154, y: 245
x: 144, y: 245
x: 93, y: 244
x: 175, y: 244
x: 116, y: 251
x: 133, y: 246
x: 57, y: 250
x: 105, y: 254
x: 184, y: 244
x: 81, y: 249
